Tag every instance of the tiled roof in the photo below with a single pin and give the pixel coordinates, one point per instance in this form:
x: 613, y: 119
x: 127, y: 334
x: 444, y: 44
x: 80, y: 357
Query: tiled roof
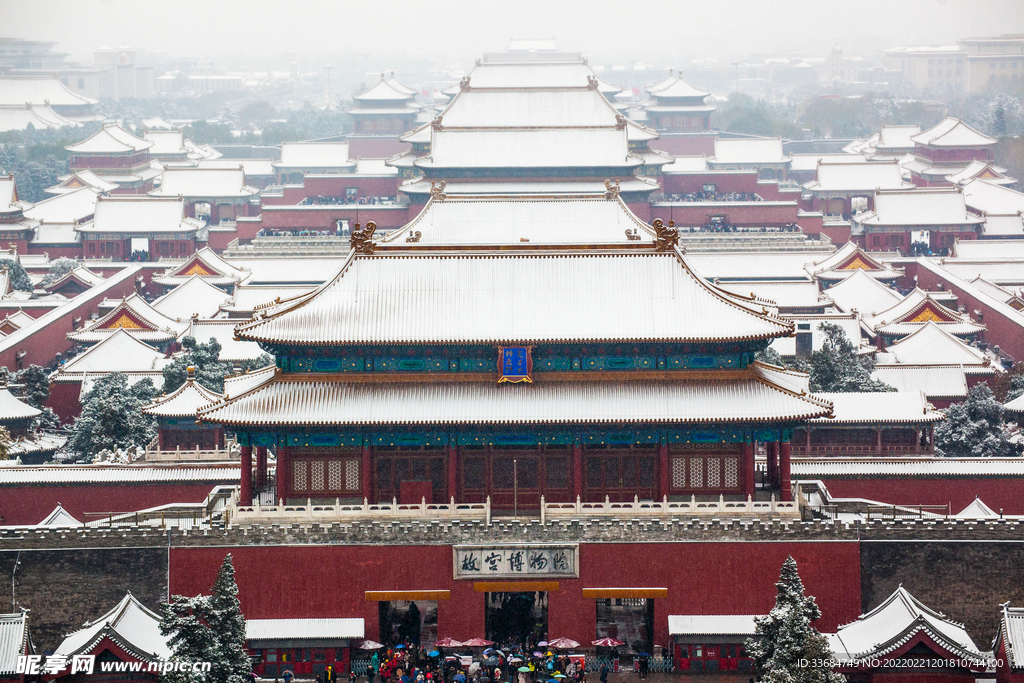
x: 982, y: 195
x: 195, y: 296
x: 535, y: 187
x: 155, y: 326
x: 862, y: 293
x: 140, y: 215
x: 936, y: 381
x: 166, y: 142
x: 13, y: 642
x: 118, y: 352
x: 111, y: 139
x: 42, y: 90
x: 311, y: 402
x: 593, y: 220
x: 223, y: 330
x: 70, y: 207
x: 925, y: 467
x: 901, y: 407
x: 917, y: 308
x: 453, y: 299
x: 115, y: 474
x: 951, y: 132
x: 13, y: 408
x: 130, y: 624
x: 529, y: 148
x: 204, y: 182
x: 749, y: 151
x: 41, y: 116
x: 930, y: 344
x: 928, y: 206
x: 206, y: 263
x: 847, y: 260
x: 1012, y: 632
x: 314, y: 155
x: 185, y: 401
x: 857, y: 177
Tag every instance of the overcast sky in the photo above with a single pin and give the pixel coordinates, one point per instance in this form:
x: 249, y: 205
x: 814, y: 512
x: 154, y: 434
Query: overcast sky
x: 459, y: 30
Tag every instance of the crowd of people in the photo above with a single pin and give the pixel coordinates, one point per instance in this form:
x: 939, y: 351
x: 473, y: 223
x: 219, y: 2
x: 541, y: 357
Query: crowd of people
x: 321, y: 200
x: 727, y: 228
x: 413, y: 664
x: 708, y: 196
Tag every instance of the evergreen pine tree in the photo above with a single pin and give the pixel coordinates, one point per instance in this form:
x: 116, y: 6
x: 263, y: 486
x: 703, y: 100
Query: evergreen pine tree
x: 786, y: 645
x: 191, y: 639
x: 837, y: 367
x: 232, y: 664
x: 974, y: 428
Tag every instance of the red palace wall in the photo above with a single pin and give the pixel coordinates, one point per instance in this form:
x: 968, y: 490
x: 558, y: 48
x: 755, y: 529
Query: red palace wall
x: 996, y: 492
x: 702, y: 578
x: 758, y: 214
x: 1003, y: 329
x: 31, y: 504
x: 324, y: 218
x: 54, y: 251
x: 65, y: 400
x: 685, y: 144
x: 375, y: 147
x: 681, y: 183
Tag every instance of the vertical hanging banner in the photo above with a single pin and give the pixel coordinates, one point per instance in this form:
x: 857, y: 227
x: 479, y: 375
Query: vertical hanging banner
x: 515, y: 364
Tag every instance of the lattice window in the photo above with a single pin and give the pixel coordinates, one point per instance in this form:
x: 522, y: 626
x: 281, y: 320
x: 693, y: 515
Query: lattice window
x: 696, y: 473
x: 334, y: 479
x: 679, y: 473
x: 714, y: 473
x: 732, y: 473
x: 316, y: 478
x: 351, y: 475
x: 300, y: 475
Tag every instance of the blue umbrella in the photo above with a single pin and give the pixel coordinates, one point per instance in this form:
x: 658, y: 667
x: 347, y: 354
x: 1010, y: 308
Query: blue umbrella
x: 399, y: 647
x: 462, y: 677
x: 433, y: 653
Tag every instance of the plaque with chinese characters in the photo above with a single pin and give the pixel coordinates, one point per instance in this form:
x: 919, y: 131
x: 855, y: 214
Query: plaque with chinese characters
x: 515, y: 364
x: 516, y: 561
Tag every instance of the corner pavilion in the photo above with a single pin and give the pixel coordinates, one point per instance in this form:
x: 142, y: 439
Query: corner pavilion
x: 515, y: 348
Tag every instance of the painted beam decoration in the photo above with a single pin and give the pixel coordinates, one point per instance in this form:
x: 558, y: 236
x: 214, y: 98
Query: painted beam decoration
x: 515, y: 364
x: 512, y: 561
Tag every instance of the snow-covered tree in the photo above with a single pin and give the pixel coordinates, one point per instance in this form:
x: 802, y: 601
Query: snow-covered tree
x: 226, y: 621
x: 5, y: 443
x: 59, y: 269
x: 210, y: 372
x: 837, y: 367
x: 191, y: 639
x: 974, y: 428
x: 208, y: 629
x: 112, y: 417
x: 786, y: 646
x: 19, y: 278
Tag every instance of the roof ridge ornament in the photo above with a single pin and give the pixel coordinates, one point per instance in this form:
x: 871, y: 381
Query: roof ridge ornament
x: 414, y: 236
x: 612, y: 189
x: 464, y: 84
x: 437, y: 123
x: 591, y: 82
x: 665, y: 237
x: 362, y: 239
x: 437, y: 190
x: 620, y: 121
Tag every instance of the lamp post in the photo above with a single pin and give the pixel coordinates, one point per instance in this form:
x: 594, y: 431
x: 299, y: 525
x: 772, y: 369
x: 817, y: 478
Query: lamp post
x: 17, y: 561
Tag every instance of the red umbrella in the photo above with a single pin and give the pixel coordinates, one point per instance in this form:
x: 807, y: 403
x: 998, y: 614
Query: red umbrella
x: 563, y: 643
x: 607, y: 642
x: 477, y: 642
x: 447, y: 642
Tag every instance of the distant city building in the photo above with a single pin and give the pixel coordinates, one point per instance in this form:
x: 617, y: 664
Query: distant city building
x: 973, y: 65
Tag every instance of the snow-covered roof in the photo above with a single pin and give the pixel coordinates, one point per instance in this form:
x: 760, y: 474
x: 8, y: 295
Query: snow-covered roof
x: 984, y: 196
x: 748, y: 151
x: 936, y: 381
x: 922, y: 206
x: 365, y: 167
x: 248, y: 298
x: 20, y: 117
x: 236, y: 385
x: 1011, y: 630
x: 533, y: 148
x: 923, y: 467
x: 314, y: 155
x: 952, y: 132
x: 535, y: 108
x: 14, y: 642
x: 130, y: 624
x: 531, y: 75
x: 385, y: 90
x: 896, y: 136
x: 857, y: 177
x: 987, y: 250
x: 675, y: 87
x: 81, y: 275
x: 589, y: 220
x: 1016, y: 405
x: 39, y: 90
x: 711, y: 624
x: 862, y: 293
x: 119, y: 352
x: 207, y: 264
x: 282, y: 400
x: 808, y: 161
x: 686, y: 164
x: 895, y: 622
x: 166, y: 142
x: 252, y: 167
x: 13, y: 408
x: 195, y: 296
x: 60, y: 518
x: 185, y: 401
x: 1003, y: 226
x: 916, y: 309
x: 116, y: 474
x: 585, y: 297
x: 849, y: 323
x: 19, y: 319
x: 72, y: 207
x: 111, y: 139
x: 555, y: 187
x: 303, y: 629
x: 932, y: 345
x: 135, y: 316
x: 231, y: 350
x: 215, y: 183
x: 980, y: 170
x: 849, y: 259
x: 795, y: 294
x: 140, y: 215
x: 901, y: 407
x: 80, y: 179
x: 976, y: 509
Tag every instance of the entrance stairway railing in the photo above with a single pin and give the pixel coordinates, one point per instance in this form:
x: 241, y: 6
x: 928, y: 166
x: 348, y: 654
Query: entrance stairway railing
x: 665, y: 507
x: 338, y: 512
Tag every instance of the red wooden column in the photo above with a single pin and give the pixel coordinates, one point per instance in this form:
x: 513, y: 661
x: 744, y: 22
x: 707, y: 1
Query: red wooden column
x: 577, y: 470
x: 245, y: 485
x: 284, y: 473
x: 261, y: 467
x: 785, y: 450
x: 453, y: 472
x: 367, y: 470
x: 748, y: 469
x: 664, y: 472
x: 773, y: 463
